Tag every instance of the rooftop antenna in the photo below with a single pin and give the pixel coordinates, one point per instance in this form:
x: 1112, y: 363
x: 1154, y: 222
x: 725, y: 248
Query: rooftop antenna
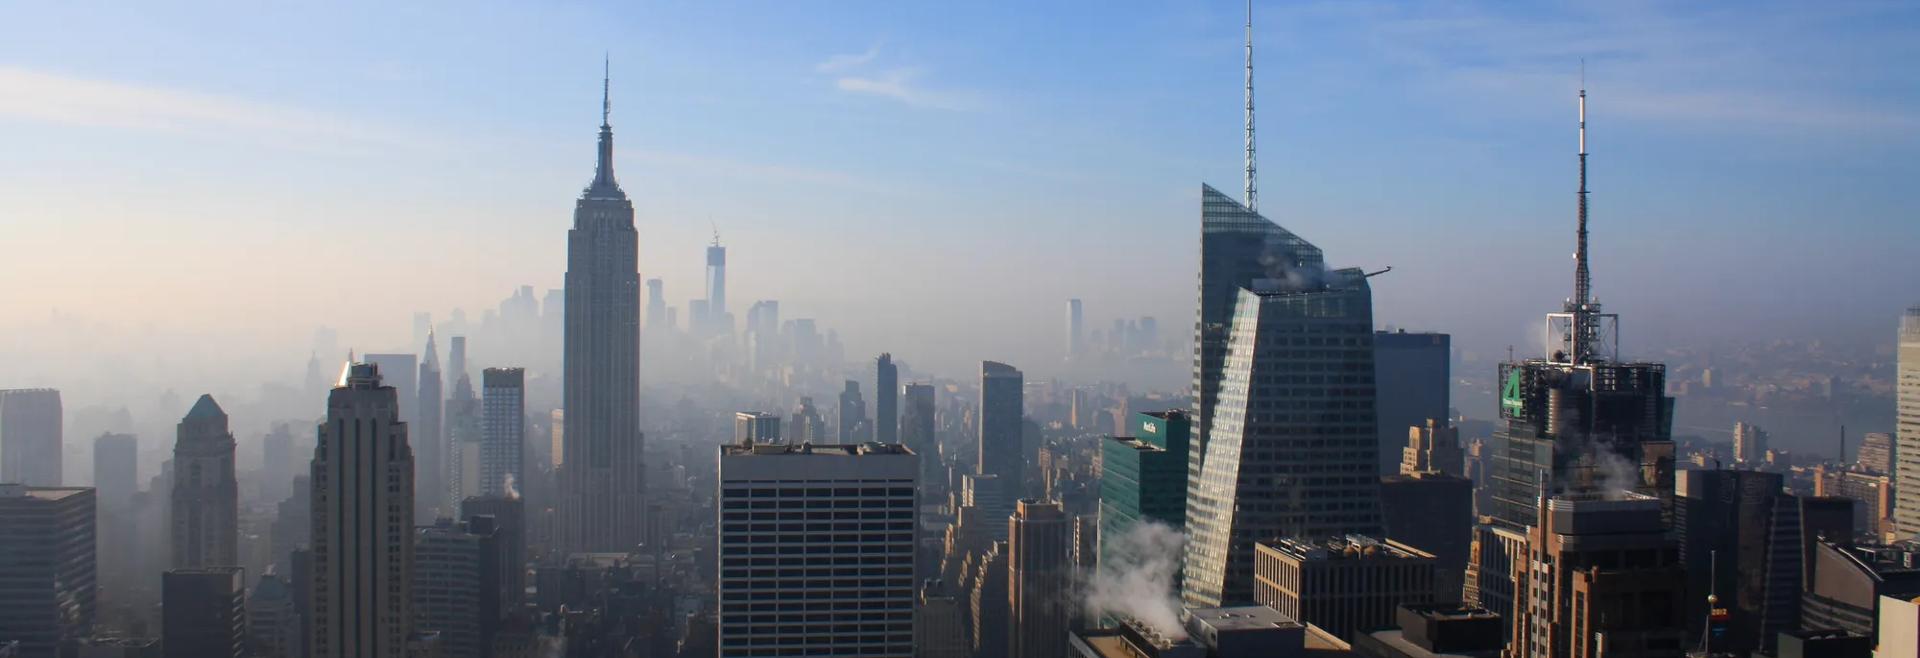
x: 606, y: 88
x: 1586, y: 327
x: 716, y: 231
x: 1252, y: 192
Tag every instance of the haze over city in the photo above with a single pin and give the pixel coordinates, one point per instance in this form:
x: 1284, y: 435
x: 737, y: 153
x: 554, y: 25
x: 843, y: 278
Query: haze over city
x: 960, y: 330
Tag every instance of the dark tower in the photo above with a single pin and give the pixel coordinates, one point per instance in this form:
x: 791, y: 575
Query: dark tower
x: 601, y: 476
x: 886, y: 400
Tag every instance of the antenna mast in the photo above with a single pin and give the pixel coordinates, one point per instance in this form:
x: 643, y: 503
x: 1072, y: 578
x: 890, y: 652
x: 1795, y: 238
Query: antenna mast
x: 1586, y: 328
x: 1252, y: 192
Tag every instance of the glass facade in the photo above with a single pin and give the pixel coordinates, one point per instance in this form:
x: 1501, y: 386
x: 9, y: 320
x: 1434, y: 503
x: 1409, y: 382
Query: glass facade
x: 1144, y: 476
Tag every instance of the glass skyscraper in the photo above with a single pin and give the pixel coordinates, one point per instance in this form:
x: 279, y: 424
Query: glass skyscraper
x: 1144, y: 476
x: 1283, y: 376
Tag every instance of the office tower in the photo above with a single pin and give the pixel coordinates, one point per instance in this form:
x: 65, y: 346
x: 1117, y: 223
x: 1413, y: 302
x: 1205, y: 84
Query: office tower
x: 293, y: 522
x: 755, y: 427
x: 1605, y: 580
x: 1848, y: 582
x: 801, y: 485
x: 206, y: 496
x: 273, y: 621
x: 30, y: 437
x: 1876, y: 453
x: 942, y: 632
x: 1433, y: 512
x: 917, y: 424
x: 455, y: 584
x: 1270, y: 474
x: 503, y: 430
x: 886, y: 400
x: 601, y: 476
x: 456, y: 360
x: 989, y: 614
x: 1002, y: 407
x: 1740, y: 539
x: 203, y: 612
x: 807, y: 424
x: 1749, y: 444
x: 853, y: 414
x: 1432, y: 446
x: 1906, y: 478
x: 401, y: 371
x: 1497, y: 561
x: 1039, y: 539
x: 1579, y: 416
x: 466, y: 429
x: 428, y: 435
x: 985, y: 501
x: 1144, y: 476
x: 716, y: 318
x: 1412, y: 372
x: 1076, y: 330
x: 47, y: 576
x: 1346, y: 585
x: 114, y: 470
x: 362, y: 521
x: 510, y: 528
x: 657, y: 305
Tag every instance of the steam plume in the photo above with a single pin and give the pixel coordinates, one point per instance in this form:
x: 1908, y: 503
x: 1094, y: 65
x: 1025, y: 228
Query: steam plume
x: 1135, y: 578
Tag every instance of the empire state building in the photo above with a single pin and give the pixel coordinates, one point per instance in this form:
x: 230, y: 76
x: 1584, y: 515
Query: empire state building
x: 601, y: 476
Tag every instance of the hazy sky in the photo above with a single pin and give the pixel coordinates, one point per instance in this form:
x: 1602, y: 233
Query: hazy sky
x: 937, y: 178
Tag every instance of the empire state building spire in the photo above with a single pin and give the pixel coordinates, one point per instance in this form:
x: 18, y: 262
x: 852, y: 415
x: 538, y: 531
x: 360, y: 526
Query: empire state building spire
x: 604, y: 186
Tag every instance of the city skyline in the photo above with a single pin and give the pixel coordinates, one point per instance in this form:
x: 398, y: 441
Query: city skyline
x: 1468, y: 137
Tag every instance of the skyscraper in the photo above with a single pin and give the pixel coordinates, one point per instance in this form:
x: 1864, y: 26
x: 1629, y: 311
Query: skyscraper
x: 30, y: 437
x: 917, y: 423
x: 401, y: 371
x: 1412, y: 372
x: 1076, y: 330
x: 510, y: 527
x: 464, y: 425
x: 657, y: 306
x: 1144, y: 476
x: 1002, y: 405
x: 1039, y: 542
x: 1741, y: 539
x: 1604, y: 579
x: 455, y: 585
x: 868, y: 614
x: 362, y: 521
x: 115, y: 466
x: 886, y: 400
x: 1302, y: 344
x: 206, y: 495
x: 428, y: 435
x: 503, y: 430
x: 717, y: 320
x: 204, y: 612
x: 602, y: 477
x: 1749, y: 444
x: 1906, y: 481
x: 853, y: 414
x: 755, y: 427
x: 1579, y: 415
x: 47, y: 580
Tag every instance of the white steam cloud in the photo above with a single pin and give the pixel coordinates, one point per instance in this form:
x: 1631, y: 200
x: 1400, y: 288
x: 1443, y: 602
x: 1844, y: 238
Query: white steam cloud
x: 507, y: 484
x: 1135, y: 578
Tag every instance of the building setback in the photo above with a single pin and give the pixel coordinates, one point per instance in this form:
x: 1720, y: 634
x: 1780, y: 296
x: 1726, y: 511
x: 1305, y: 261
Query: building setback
x: 206, y: 495
x: 816, y: 549
x: 47, y: 579
x: 204, y: 612
x: 362, y: 535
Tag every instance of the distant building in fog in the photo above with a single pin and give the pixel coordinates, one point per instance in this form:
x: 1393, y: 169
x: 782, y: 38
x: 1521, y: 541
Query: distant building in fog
x: 853, y: 414
x: 755, y: 427
x: 1002, y: 408
x: 30, y: 437
x: 886, y: 400
x: 47, y: 581
x: 503, y: 430
x: 1906, y: 478
x: 204, y: 613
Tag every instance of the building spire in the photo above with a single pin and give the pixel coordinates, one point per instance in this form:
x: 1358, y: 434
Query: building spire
x: 604, y: 186
x: 1252, y: 191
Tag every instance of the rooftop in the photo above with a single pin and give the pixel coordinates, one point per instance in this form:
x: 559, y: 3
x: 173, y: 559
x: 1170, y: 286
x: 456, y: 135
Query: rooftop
x: 824, y: 449
x: 40, y: 493
x: 1340, y: 548
x: 1241, y: 618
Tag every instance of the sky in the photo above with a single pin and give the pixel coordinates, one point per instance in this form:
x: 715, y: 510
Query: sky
x: 936, y: 179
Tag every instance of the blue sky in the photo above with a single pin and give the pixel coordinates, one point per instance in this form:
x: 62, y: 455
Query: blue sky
x: 936, y: 178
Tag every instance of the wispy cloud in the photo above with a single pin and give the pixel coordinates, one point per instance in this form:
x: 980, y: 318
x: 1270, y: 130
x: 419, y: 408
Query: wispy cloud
x: 40, y: 96
x: 838, y: 63
x: 858, y: 74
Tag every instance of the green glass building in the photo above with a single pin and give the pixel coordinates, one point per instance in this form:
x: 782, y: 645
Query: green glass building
x: 1144, y: 476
